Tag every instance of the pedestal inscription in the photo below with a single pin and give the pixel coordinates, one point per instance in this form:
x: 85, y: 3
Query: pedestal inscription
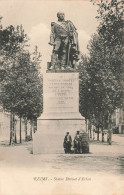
x: 61, y: 92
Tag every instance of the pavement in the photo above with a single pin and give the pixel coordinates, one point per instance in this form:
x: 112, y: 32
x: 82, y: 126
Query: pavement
x: 100, y: 172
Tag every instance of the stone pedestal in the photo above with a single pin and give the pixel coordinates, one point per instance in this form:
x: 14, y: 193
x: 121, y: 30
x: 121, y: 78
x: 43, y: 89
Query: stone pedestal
x: 60, y: 112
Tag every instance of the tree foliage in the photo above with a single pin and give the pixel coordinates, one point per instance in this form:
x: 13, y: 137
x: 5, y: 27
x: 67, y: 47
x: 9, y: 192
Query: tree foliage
x: 21, y: 80
x: 101, y: 91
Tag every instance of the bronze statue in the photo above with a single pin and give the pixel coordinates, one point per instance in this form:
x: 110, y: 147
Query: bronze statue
x: 64, y: 39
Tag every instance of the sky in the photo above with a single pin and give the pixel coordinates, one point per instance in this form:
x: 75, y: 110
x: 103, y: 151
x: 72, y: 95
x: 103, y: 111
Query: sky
x: 36, y: 17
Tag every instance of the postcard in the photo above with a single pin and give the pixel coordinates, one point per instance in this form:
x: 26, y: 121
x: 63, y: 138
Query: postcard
x: 61, y: 104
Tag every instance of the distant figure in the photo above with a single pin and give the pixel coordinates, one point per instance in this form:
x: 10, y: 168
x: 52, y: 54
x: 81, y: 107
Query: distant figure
x: 109, y: 136
x: 67, y: 143
x: 77, y: 143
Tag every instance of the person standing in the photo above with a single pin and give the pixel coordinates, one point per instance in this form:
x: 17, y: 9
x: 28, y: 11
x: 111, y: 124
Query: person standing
x: 109, y: 136
x: 77, y: 143
x: 67, y: 143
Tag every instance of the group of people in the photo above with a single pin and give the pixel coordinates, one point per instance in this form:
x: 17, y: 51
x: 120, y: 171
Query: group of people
x: 75, y: 146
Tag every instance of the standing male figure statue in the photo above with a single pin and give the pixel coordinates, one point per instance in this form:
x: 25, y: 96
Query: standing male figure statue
x: 64, y: 39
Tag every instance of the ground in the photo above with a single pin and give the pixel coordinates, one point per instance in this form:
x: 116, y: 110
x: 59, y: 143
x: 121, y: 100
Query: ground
x: 99, y: 173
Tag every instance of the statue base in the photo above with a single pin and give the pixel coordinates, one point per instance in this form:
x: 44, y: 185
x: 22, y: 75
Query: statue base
x: 51, y: 132
x: 61, y: 112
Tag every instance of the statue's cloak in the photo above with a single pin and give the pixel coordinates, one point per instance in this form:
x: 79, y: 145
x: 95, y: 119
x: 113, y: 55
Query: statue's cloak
x: 63, y: 29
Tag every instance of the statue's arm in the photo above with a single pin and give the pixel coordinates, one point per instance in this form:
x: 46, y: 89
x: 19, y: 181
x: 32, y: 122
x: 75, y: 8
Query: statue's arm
x: 52, y: 35
x: 72, y: 27
x: 74, y: 33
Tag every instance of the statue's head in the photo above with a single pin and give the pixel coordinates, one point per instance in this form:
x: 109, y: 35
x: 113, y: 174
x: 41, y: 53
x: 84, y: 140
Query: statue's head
x: 61, y: 16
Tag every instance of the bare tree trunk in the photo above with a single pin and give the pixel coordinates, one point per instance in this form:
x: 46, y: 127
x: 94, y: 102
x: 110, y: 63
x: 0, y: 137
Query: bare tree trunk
x: 25, y: 121
x: 102, y: 135
x: 89, y: 128
x: 33, y: 129
x: 11, y: 118
x: 110, y: 122
x: 86, y: 125
x: 109, y: 138
x: 93, y: 134
x: 35, y: 125
x: 12, y: 132
x: 31, y: 126
x: 97, y: 133
x: 90, y: 133
x: 20, y: 130
x: 15, y: 122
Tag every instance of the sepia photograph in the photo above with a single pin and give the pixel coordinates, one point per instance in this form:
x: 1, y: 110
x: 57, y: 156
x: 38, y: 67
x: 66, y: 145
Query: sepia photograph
x: 61, y: 97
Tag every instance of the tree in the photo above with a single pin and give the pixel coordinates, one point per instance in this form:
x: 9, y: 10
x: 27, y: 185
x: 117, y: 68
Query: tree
x: 23, y: 89
x: 102, y: 91
x: 13, y: 42
x: 21, y: 81
x: 105, y: 86
x: 29, y: 91
x: 110, y: 29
